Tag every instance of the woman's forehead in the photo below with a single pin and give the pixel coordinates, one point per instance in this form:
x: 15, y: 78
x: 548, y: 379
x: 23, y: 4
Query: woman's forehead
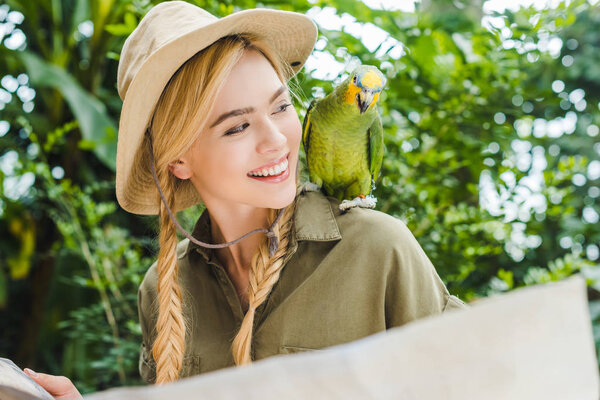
x: 251, y: 82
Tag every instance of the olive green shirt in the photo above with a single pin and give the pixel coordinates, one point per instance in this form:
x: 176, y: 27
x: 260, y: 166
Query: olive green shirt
x: 345, y: 276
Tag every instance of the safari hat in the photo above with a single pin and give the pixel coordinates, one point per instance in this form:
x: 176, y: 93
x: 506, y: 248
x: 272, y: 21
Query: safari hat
x: 166, y: 37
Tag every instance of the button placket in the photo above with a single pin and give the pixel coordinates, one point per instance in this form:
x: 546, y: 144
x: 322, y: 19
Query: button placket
x: 230, y: 293
x: 228, y: 289
x: 264, y: 308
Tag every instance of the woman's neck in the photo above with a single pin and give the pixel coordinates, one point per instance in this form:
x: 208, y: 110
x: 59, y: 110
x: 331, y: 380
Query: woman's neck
x: 230, y: 224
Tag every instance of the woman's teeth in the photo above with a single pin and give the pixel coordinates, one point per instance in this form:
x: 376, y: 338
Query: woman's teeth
x: 276, y: 170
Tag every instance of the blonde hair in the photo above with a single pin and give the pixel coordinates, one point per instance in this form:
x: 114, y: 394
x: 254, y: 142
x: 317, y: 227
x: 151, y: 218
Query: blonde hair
x: 178, y: 118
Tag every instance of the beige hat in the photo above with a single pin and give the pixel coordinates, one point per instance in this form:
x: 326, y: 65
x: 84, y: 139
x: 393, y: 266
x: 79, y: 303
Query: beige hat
x: 168, y: 35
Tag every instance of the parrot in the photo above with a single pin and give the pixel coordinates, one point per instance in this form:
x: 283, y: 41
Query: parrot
x: 342, y: 137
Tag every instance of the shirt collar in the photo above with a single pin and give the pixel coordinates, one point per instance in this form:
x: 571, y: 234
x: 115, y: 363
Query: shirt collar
x: 314, y: 220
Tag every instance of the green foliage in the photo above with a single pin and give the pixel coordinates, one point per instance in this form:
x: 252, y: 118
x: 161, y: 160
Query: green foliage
x: 98, y: 130
x: 111, y: 267
x: 491, y: 158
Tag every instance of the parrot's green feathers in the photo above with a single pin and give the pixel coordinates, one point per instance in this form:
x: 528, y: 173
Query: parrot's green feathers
x: 375, y: 147
x: 306, y: 127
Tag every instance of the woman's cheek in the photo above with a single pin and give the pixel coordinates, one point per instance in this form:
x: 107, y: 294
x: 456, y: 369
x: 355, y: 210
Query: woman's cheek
x: 295, y: 129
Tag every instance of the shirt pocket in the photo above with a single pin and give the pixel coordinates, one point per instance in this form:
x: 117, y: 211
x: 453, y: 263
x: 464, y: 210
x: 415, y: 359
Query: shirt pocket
x: 454, y: 303
x: 295, y: 349
x: 147, y: 365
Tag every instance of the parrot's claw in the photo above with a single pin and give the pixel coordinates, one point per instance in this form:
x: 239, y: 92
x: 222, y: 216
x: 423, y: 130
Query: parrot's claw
x: 311, y: 187
x: 364, y: 202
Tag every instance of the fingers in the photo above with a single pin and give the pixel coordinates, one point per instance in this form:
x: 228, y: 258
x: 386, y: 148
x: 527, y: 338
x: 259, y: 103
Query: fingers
x: 60, y: 387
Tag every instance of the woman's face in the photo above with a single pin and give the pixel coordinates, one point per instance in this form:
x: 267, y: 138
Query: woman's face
x: 253, y: 128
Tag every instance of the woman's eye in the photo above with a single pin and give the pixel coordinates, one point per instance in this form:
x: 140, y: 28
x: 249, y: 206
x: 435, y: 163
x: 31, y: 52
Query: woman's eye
x: 237, y: 130
x: 240, y: 128
x: 283, y: 107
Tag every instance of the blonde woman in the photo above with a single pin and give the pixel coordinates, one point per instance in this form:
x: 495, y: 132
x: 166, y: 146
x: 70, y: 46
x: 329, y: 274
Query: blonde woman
x: 207, y: 116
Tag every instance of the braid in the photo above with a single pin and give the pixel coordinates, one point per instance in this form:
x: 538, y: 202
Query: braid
x: 169, y: 346
x: 264, y: 273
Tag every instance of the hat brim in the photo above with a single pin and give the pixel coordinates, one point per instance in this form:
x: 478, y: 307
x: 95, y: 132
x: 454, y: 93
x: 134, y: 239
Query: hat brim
x: 291, y: 35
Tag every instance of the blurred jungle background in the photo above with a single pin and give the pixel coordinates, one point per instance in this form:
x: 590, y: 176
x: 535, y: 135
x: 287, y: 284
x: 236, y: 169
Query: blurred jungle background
x: 491, y: 118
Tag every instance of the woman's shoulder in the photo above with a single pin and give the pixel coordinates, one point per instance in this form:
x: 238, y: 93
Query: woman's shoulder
x: 364, y: 224
x: 388, y: 245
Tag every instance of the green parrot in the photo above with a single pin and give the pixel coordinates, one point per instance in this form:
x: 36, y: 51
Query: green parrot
x: 342, y: 138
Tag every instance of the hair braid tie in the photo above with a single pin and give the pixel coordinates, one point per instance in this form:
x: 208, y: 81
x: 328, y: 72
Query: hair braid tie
x: 273, y: 241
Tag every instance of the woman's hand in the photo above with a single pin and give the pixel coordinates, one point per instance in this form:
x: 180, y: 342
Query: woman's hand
x: 60, y: 387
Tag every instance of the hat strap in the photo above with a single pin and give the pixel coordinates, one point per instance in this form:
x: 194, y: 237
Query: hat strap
x: 273, y: 240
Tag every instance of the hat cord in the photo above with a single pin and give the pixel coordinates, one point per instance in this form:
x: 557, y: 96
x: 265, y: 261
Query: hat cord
x: 272, y: 237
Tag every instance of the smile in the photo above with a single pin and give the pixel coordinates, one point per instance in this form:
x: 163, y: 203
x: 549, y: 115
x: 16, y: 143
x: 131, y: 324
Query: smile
x: 273, y: 169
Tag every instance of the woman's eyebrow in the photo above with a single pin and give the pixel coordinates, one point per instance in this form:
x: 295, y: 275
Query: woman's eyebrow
x: 247, y: 110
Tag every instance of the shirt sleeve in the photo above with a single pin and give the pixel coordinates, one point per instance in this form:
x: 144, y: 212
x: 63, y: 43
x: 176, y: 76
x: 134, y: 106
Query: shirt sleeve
x: 413, y: 289
x: 146, y: 364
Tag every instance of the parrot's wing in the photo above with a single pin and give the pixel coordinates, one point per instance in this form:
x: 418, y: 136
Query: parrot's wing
x: 306, y: 127
x: 375, y: 146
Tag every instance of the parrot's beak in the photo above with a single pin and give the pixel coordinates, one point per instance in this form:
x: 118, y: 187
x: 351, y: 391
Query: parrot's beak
x: 364, y: 98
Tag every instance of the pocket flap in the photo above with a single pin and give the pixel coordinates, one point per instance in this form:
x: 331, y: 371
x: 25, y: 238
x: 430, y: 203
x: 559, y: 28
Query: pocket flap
x: 295, y: 349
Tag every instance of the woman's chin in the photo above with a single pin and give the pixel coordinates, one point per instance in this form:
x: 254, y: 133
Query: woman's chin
x: 283, y: 198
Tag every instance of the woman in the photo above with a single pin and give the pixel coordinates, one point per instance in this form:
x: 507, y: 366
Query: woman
x: 224, y: 132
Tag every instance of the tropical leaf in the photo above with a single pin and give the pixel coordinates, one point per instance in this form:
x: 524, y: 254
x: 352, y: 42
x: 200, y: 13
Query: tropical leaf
x: 96, y: 125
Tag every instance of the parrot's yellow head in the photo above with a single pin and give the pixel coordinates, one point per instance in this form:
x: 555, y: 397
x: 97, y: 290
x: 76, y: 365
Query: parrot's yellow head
x: 364, y: 85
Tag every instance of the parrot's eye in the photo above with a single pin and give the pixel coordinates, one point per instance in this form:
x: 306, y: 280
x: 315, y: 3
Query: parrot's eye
x: 354, y: 80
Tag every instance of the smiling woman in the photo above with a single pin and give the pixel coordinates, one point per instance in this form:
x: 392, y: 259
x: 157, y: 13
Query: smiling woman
x: 220, y: 128
x: 253, y: 128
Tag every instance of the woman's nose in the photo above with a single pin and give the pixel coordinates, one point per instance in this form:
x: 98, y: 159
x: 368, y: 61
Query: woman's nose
x: 271, y: 138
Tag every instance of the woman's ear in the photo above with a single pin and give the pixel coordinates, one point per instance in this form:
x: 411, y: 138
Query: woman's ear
x: 181, y: 169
